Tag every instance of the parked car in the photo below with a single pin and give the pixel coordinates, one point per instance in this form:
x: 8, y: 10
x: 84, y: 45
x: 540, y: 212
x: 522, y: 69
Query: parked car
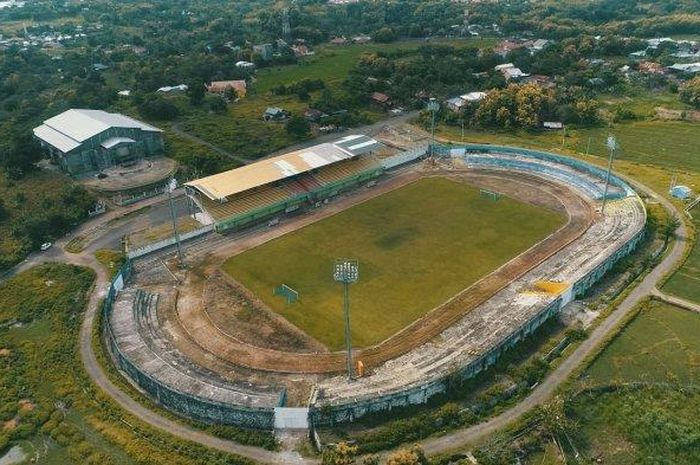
x: 46, y: 246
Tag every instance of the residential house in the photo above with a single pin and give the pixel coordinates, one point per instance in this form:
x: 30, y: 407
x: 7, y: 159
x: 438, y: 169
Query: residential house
x: 538, y: 45
x: 172, y: 89
x: 275, y: 114
x: 246, y: 65
x: 219, y: 87
x: 649, y: 67
x: 264, y: 50
x: 82, y: 141
x: 541, y: 80
x: 455, y: 104
x: 507, y: 46
x: 312, y: 114
x: 339, y: 41
x: 509, y: 71
x: 473, y: 97
x: 361, y: 39
x: 380, y: 99
x: 691, y: 68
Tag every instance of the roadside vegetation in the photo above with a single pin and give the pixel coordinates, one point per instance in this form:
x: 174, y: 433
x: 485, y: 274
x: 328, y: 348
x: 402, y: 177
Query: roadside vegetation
x: 48, y: 405
x: 39, y: 207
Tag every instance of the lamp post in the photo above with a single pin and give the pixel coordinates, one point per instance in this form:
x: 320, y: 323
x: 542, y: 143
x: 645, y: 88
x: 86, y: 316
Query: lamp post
x: 172, y: 185
x: 347, y: 271
x: 433, y: 107
x: 611, y: 143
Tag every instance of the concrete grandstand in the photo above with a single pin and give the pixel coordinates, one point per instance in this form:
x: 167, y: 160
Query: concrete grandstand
x: 195, y: 368
x: 285, y: 183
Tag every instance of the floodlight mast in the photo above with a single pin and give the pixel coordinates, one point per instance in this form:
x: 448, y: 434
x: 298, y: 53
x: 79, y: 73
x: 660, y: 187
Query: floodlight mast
x: 172, y: 185
x: 611, y: 143
x: 433, y: 107
x: 347, y: 271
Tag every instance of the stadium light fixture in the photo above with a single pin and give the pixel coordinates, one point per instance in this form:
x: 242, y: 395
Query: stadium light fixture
x: 612, y: 145
x: 347, y: 271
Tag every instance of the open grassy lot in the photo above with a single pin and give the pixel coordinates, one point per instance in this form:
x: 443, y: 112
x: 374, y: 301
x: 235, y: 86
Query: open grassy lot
x: 670, y: 148
x: 332, y: 63
x: 660, y: 345
x: 652, y: 424
x: 417, y: 246
x: 648, y: 426
x: 685, y: 282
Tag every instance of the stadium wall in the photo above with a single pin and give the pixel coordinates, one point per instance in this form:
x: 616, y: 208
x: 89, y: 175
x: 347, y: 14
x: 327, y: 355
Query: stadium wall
x: 190, y: 406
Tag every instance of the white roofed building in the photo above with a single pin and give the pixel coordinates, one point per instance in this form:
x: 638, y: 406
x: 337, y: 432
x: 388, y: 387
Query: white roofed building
x: 82, y: 141
x: 286, y: 182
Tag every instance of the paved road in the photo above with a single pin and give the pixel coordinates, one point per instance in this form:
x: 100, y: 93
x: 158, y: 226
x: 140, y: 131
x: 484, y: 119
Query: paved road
x: 441, y: 444
x: 677, y: 301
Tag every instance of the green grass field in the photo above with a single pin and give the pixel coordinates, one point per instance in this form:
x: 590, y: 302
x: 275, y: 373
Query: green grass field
x: 685, y: 282
x: 654, y: 424
x: 660, y: 345
x: 417, y: 246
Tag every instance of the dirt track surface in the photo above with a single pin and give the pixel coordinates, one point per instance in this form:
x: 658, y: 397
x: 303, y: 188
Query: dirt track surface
x: 203, y: 331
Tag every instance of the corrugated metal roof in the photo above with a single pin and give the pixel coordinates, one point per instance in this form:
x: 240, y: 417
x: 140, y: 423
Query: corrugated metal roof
x: 222, y: 185
x: 69, y: 129
x: 55, y: 138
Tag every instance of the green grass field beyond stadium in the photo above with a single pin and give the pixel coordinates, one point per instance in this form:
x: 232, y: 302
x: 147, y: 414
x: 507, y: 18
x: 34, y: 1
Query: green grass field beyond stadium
x: 660, y: 345
x: 686, y: 281
x: 417, y: 247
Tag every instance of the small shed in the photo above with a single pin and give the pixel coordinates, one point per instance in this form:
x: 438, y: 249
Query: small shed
x: 681, y: 192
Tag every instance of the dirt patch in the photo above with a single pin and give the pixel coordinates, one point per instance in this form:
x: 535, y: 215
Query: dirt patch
x: 677, y: 115
x: 9, y: 425
x: 4, y: 352
x: 26, y: 405
x: 237, y: 312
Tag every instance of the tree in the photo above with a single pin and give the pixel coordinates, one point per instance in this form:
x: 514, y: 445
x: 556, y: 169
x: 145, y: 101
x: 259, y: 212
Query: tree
x: 341, y: 454
x: 690, y: 92
x: 196, y: 92
x: 412, y: 456
x: 298, y: 127
x: 385, y: 35
x: 158, y: 108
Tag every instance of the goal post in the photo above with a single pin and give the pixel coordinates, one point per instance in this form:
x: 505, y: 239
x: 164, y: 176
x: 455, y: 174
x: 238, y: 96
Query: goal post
x: 289, y: 294
x: 490, y: 194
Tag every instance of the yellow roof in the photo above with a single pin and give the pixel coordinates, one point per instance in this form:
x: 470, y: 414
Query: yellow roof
x: 221, y: 185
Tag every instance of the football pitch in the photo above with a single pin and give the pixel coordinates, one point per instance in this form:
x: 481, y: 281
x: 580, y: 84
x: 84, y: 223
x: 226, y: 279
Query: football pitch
x: 417, y: 246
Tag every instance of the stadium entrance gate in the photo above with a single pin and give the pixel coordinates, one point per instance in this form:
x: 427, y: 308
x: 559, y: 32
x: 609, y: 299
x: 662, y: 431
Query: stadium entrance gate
x: 291, y: 418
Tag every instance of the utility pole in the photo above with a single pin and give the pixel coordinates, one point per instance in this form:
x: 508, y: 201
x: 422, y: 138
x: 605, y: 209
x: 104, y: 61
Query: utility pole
x: 347, y: 271
x: 172, y: 185
x: 611, y: 143
x: 588, y: 145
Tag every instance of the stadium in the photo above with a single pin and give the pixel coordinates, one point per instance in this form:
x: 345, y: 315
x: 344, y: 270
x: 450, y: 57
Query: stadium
x: 461, y: 252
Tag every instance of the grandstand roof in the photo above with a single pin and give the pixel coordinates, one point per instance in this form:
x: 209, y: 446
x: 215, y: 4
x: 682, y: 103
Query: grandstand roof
x: 221, y: 185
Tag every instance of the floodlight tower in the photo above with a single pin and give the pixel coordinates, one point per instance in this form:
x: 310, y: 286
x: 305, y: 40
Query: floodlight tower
x: 612, y: 145
x: 433, y: 107
x: 347, y: 271
x: 172, y: 185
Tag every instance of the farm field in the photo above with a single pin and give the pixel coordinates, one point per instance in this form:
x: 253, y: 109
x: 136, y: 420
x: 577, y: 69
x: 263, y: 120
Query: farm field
x: 653, y: 423
x: 685, y: 282
x: 332, y: 63
x: 417, y: 246
x: 659, y: 345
